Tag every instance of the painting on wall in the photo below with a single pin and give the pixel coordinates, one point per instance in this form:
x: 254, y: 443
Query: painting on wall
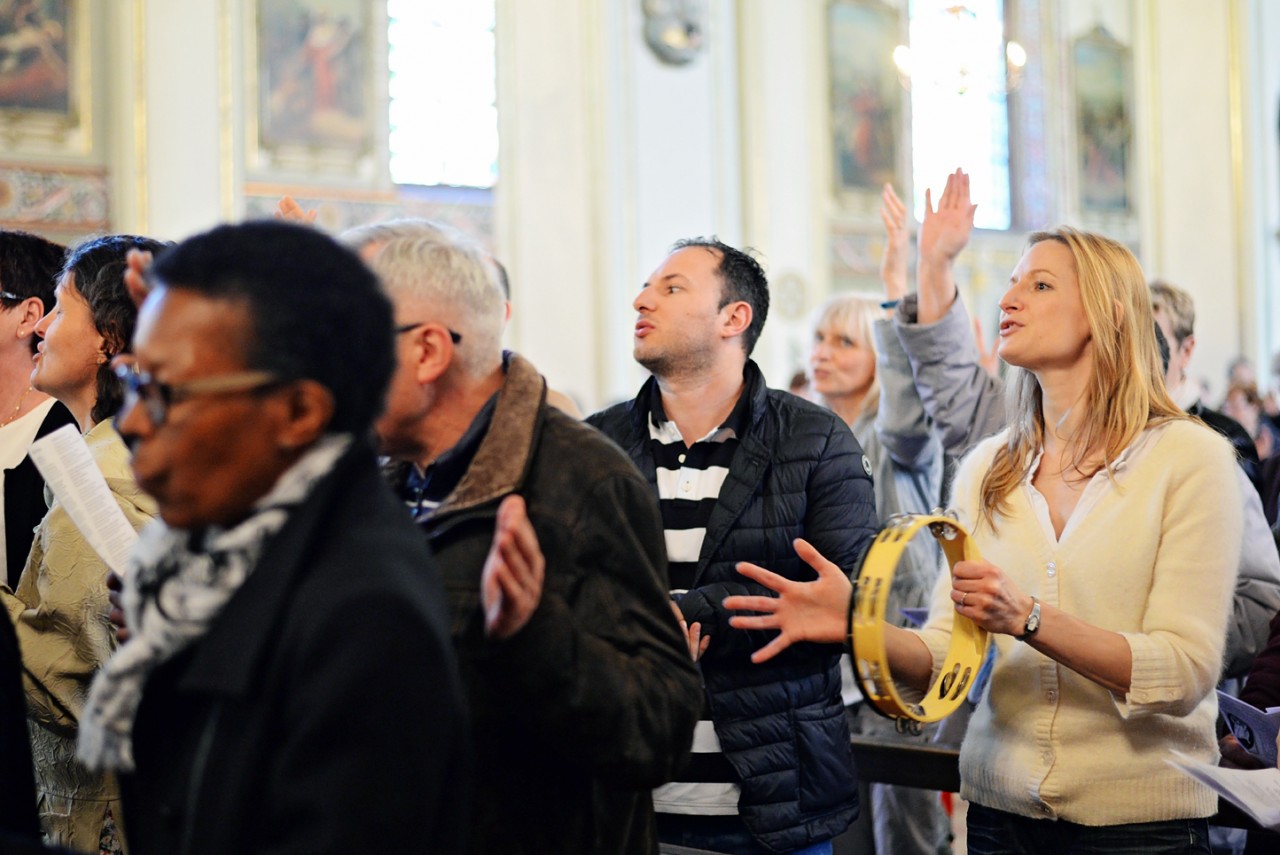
x: 35, y: 60
x: 866, y: 98
x: 1104, y: 121
x: 313, y: 74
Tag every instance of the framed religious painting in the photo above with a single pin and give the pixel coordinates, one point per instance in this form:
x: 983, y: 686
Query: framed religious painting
x: 866, y: 97
x: 44, y: 68
x: 311, y: 82
x: 1102, y: 71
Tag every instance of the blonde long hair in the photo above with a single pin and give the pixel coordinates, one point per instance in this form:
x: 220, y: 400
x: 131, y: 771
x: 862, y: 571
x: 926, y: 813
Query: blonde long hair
x: 852, y: 315
x: 1125, y: 393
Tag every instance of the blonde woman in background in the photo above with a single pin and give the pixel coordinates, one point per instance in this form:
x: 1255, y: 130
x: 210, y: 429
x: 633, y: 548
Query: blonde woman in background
x: 858, y: 370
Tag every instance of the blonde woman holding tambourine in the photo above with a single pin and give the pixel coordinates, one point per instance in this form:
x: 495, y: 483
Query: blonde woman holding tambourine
x: 1108, y: 525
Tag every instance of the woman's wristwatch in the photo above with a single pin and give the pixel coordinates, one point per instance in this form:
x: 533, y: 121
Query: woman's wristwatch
x: 1033, y: 621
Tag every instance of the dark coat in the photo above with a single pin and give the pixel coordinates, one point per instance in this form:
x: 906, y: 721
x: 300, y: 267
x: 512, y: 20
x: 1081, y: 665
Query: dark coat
x: 1245, y: 448
x: 798, y: 472
x: 24, y: 502
x: 17, y: 781
x: 1262, y: 687
x: 322, y: 711
x: 593, y: 702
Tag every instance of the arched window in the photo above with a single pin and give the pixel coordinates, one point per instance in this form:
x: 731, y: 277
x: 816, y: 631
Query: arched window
x: 960, y: 72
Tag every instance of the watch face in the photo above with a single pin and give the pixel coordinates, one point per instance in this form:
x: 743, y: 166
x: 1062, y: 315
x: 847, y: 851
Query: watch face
x: 1033, y: 620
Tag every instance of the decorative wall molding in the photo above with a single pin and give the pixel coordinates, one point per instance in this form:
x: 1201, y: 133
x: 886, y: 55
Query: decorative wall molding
x: 54, y: 200
x: 338, y: 210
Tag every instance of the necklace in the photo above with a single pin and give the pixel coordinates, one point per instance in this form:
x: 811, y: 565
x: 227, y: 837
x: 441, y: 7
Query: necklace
x: 18, y: 408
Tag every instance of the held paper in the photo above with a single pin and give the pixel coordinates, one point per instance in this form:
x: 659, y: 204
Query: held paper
x: 1254, y: 791
x: 68, y: 468
x: 1254, y: 729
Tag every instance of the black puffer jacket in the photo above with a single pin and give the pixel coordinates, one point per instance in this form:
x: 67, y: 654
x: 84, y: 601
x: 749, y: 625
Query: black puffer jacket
x: 798, y: 472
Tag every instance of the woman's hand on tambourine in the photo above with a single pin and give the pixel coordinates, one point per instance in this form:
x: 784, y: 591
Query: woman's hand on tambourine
x: 802, y: 611
x: 983, y: 593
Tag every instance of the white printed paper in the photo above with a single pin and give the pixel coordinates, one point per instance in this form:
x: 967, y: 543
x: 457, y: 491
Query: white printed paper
x: 64, y: 460
x: 1254, y: 791
x: 1254, y: 729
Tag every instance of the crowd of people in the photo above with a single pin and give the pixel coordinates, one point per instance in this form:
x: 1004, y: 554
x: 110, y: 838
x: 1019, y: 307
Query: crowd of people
x: 389, y: 592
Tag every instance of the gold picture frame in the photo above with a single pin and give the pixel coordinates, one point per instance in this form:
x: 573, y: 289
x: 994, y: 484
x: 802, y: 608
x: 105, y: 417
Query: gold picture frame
x: 45, y: 94
x: 866, y: 100
x: 1102, y: 71
x: 310, y: 86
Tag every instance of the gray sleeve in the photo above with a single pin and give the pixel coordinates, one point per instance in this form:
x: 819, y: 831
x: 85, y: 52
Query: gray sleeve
x: 964, y: 401
x: 1257, y: 593
x: 902, y: 425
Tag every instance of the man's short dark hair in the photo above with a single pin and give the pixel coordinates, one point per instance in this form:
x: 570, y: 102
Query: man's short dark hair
x: 98, y: 267
x: 743, y: 279
x: 29, y: 266
x: 317, y: 311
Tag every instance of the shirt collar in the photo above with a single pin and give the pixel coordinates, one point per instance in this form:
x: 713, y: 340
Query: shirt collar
x: 443, y: 474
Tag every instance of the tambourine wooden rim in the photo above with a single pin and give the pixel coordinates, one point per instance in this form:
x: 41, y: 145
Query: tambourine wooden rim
x: 867, y: 620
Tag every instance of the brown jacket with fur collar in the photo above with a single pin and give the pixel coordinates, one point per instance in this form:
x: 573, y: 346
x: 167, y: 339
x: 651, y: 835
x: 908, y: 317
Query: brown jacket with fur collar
x: 593, y: 702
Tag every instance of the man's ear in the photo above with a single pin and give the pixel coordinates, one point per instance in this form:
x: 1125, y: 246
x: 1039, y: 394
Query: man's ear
x: 432, y: 353
x: 308, y: 412
x: 735, y: 318
x: 1188, y: 346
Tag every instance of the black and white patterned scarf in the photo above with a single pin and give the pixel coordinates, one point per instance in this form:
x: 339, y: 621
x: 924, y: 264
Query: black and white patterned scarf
x: 174, y: 590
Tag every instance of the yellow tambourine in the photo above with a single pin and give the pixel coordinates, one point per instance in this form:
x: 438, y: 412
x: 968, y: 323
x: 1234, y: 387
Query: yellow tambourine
x: 866, y: 623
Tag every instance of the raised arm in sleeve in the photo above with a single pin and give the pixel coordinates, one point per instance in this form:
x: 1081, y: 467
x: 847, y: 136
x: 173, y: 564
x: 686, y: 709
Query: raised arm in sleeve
x: 964, y: 401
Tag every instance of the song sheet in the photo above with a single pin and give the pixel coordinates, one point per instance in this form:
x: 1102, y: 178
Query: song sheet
x: 1254, y: 791
x: 68, y: 469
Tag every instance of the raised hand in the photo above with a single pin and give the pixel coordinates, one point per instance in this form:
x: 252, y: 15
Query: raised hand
x: 802, y: 611
x: 893, y: 266
x: 511, y: 582
x: 138, y: 261
x: 291, y: 212
x: 943, y: 234
x: 988, y: 358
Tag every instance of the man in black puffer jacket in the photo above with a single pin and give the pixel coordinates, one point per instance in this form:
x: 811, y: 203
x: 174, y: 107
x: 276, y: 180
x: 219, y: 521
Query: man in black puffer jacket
x: 741, y: 471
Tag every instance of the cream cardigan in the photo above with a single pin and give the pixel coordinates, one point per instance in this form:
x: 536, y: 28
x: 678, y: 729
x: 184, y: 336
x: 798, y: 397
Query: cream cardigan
x: 1153, y: 556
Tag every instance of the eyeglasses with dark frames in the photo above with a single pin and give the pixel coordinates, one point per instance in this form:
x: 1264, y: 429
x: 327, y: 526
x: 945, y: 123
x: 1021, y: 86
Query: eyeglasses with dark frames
x: 404, y: 328
x: 156, y: 397
x: 9, y: 295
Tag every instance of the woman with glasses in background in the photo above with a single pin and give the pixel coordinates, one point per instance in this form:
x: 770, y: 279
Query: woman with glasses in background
x: 60, y: 606
x: 29, y: 267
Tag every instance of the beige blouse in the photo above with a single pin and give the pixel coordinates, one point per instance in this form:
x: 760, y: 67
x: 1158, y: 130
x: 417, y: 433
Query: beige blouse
x: 60, y: 613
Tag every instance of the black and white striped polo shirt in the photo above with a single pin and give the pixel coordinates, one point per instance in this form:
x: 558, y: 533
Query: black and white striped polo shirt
x: 689, y: 481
